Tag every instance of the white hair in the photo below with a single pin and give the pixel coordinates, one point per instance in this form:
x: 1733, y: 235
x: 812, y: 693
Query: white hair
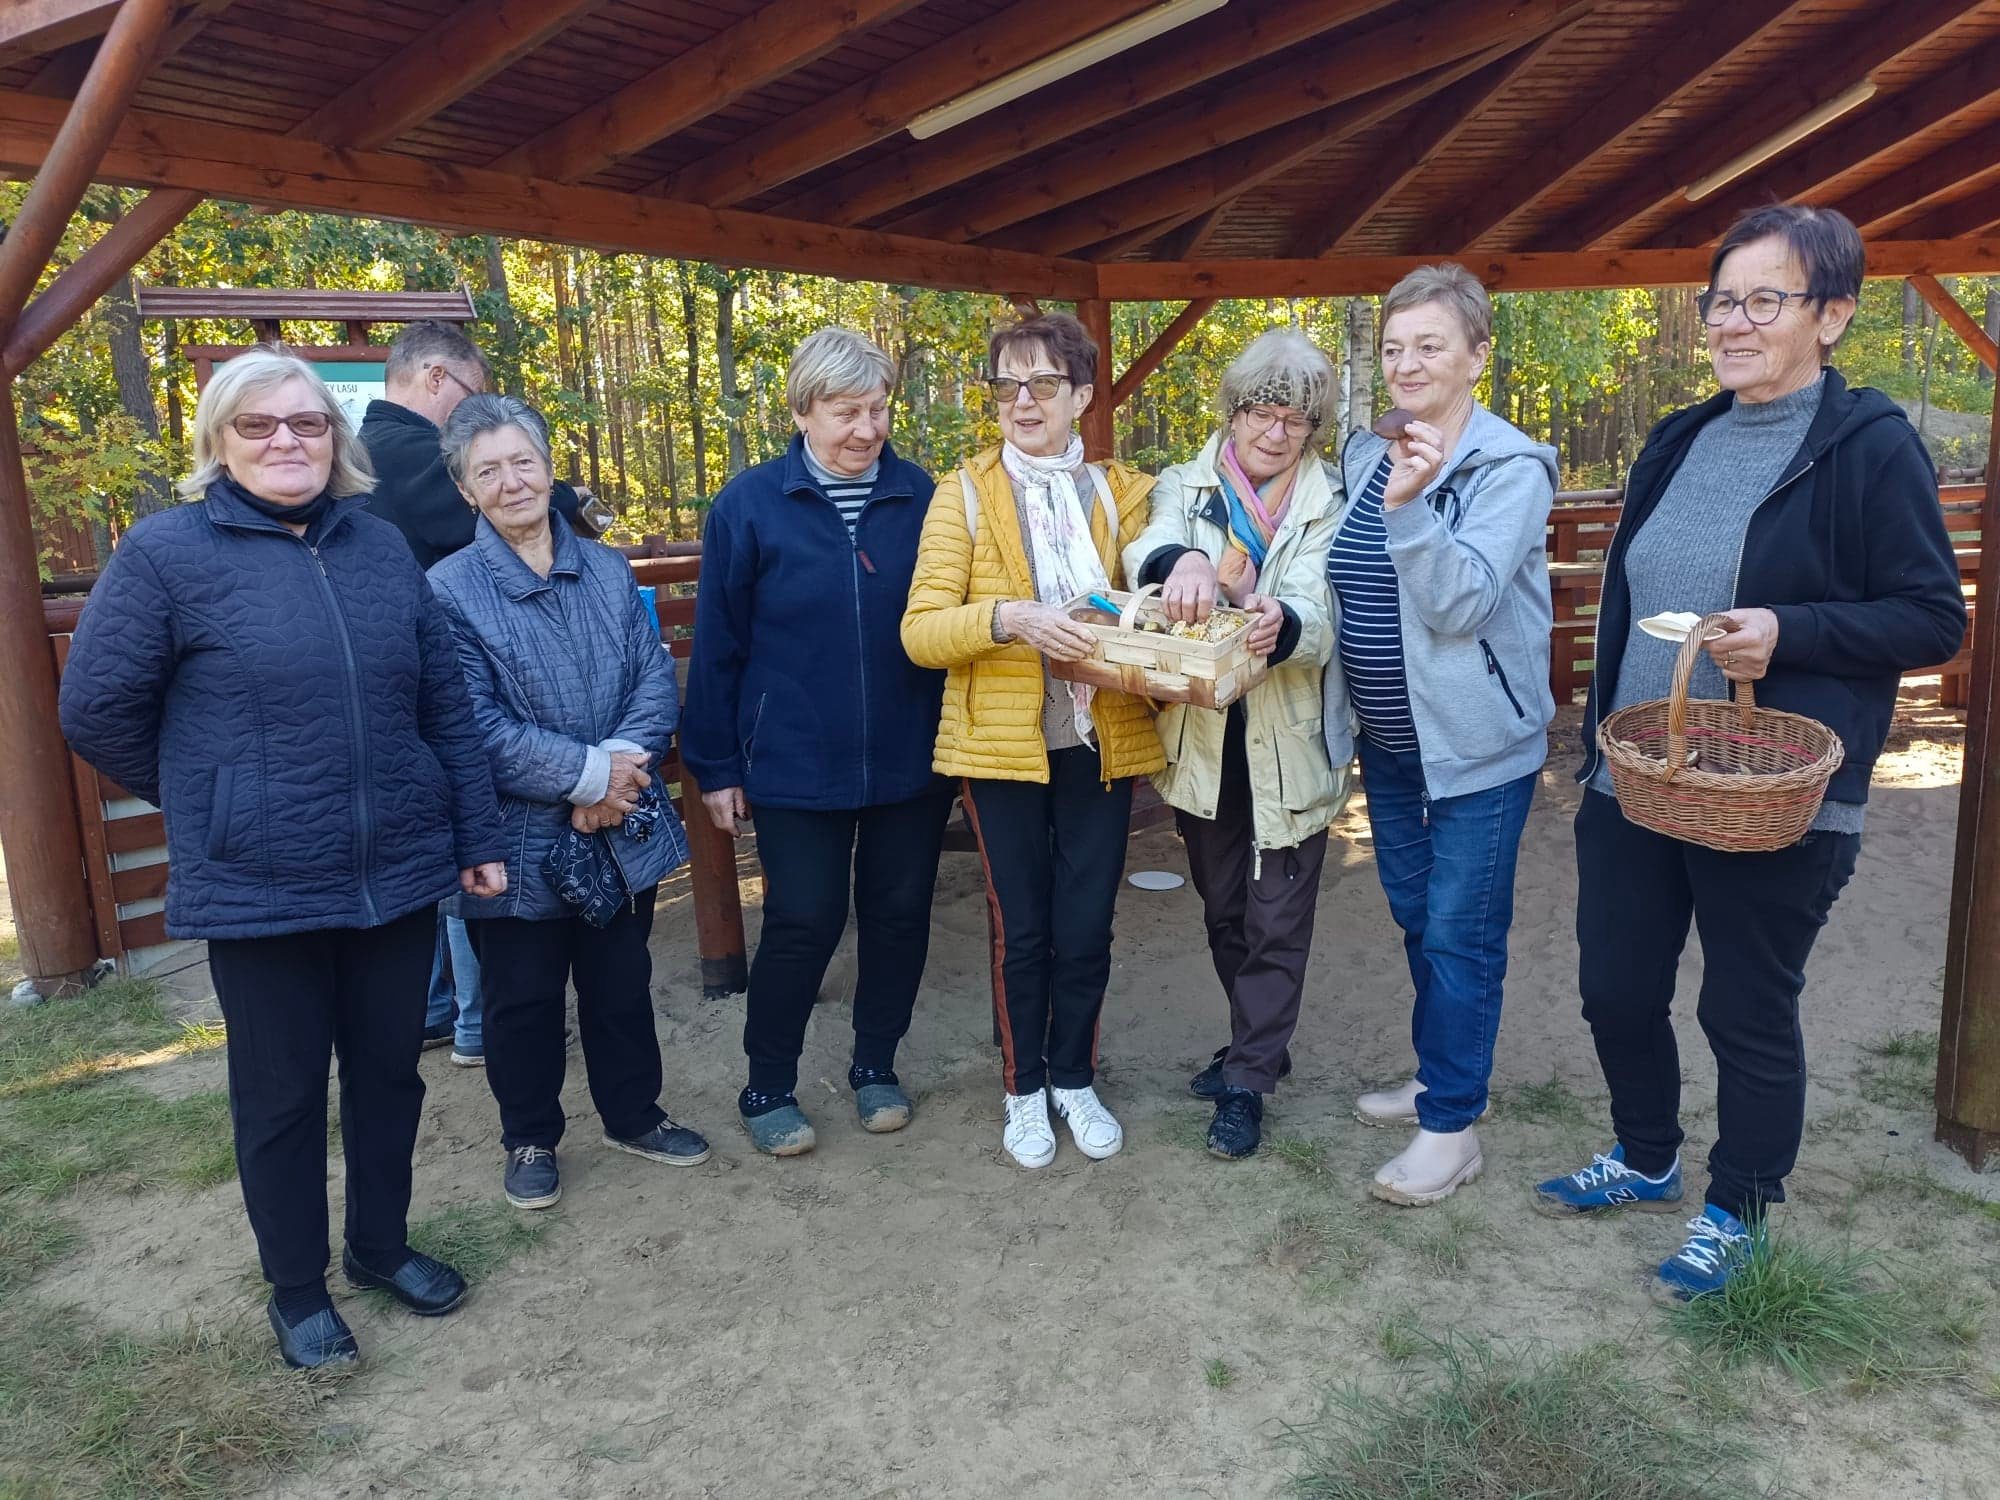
x: 234, y: 382
x: 476, y: 416
x: 835, y: 362
x: 1280, y: 367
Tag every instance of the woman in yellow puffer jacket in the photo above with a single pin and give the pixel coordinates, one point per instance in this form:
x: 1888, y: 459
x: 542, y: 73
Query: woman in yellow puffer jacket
x: 1045, y: 766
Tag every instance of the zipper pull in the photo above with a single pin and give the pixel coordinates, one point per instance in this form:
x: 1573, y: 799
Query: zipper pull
x: 318, y: 559
x: 867, y: 565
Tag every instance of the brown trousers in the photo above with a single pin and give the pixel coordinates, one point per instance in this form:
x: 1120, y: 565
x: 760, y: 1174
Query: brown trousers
x: 1260, y: 925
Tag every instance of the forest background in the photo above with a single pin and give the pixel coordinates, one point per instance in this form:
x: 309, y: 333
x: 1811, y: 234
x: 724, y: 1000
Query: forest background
x: 662, y: 378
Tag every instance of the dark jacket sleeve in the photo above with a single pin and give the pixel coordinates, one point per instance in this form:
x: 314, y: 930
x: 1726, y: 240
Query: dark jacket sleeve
x: 444, y: 719
x: 709, y: 744
x: 563, y: 498
x: 1914, y: 615
x: 121, y: 660
x: 652, y: 708
x: 527, y: 761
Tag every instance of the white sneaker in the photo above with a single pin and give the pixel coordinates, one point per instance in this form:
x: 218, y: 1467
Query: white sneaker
x: 1431, y: 1168
x: 1096, y: 1132
x: 1029, y: 1138
x: 1396, y: 1106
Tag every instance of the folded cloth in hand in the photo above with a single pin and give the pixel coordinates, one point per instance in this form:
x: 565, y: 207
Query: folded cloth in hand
x: 585, y: 870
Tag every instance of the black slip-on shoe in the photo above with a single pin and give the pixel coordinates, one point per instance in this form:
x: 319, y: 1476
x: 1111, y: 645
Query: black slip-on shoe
x: 320, y: 1342
x: 429, y: 1288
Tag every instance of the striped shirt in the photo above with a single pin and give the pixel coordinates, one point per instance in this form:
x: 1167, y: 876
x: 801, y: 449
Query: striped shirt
x: 847, y: 494
x: 1371, y: 627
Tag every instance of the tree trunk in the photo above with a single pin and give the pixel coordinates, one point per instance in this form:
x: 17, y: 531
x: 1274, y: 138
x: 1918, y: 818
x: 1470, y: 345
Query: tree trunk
x: 1360, y: 362
x: 725, y: 369
x: 507, y: 365
x: 1912, y: 321
x: 587, y: 361
x: 1992, y: 328
x: 565, y: 370
x: 133, y: 372
x: 690, y: 309
x: 659, y: 348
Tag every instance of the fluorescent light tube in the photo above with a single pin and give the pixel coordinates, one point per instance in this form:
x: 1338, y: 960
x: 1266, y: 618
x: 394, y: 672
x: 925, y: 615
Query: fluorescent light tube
x: 1791, y: 135
x: 1071, y: 59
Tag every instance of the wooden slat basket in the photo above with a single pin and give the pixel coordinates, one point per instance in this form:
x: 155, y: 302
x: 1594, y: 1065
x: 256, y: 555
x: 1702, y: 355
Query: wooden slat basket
x: 1756, y: 776
x: 1165, y: 668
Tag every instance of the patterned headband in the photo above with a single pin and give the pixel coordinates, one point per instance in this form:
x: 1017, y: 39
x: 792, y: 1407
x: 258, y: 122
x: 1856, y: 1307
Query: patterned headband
x: 1277, y: 391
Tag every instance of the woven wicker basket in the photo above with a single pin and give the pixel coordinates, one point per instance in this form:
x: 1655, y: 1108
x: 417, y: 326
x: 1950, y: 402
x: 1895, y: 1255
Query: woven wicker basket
x: 1756, y: 778
x: 1165, y: 668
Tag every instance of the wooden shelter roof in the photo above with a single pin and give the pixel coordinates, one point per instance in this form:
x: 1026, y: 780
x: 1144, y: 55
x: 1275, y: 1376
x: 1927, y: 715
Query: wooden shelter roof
x: 1351, y: 133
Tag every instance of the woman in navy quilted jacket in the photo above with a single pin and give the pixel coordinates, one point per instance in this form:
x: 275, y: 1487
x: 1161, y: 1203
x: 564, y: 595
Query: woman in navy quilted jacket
x: 267, y: 665
x: 575, y: 699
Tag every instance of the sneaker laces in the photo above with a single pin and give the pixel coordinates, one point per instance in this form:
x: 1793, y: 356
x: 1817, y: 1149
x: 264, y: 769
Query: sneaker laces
x: 527, y: 1156
x: 1234, y: 1110
x: 1602, y: 1169
x: 1083, y: 1109
x: 1709, y: 1245
x: 1029, y: 1111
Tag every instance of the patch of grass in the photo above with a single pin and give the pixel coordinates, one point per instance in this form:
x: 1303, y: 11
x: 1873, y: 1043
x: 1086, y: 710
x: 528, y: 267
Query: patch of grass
x: 1184, y: 1132
x: 1815, y: 1312
x: 53, y: 1139
x: 1922, y: 1186
x: 1218, y: 1375
x: 479, y: 1238
x: 1550, y: 1103
x: 1442, y: 1238
x: 1922, y: 1045
x: 1306, y: 1157
x: 1327, y: 1246
x: 193, y: 1412
x: 1487, y: 1421
x: 1399, y: 1336
x: 30, y: 1241
x: 1904, y: 1074
x: 121, y: 1024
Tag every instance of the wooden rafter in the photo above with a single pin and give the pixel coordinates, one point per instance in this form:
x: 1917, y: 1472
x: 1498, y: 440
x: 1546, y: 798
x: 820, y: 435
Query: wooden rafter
x: 765, y: 45
x: 1961, y: 322
x: 1192, y: 187
x: 1781, y: 96
x: 1294, y: 87
x: 1155, y: 354
x: 1179, y: 234
x: 29, y: 28
x: 1183, y: 59
x: 1658, y: 80
x: 1972, y: 215
x: 1803, y: 173
x: 60, y: 75
x: 447, y: 62
x: 1970, y: 161
x: 880, y: 105
x: 1432, y: 126
x: 1528, y: 271
x: 151, y: 150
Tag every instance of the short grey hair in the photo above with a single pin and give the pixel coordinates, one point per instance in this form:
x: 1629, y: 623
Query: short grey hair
x: 430, y: 342
x: 835, y: 362
x: 1452, y: 287
x: 250, y: 374
x: 1280, y: 367
x: 476, y: 416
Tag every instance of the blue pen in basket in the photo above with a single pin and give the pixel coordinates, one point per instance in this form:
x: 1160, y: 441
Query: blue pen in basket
x: 1100, y: 602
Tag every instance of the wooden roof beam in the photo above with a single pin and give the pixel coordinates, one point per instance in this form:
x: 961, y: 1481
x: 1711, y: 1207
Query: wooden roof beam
x: 29, y: 28
x: 1659, y: 79
x: 1781, y: 97
x: 151, y: 150
x: 1432, y: 126
x: 1183, y: 59
x: 1801, y: 174
x: 1296, y: 87
x: 1155, y: 354
x: 1961, y: 322
x: 445, y: 64
x: 1975, y: 214
x: 765, y: 45
x: 880, y: 105
x: 1970, y: 161
x: 1193, y: 187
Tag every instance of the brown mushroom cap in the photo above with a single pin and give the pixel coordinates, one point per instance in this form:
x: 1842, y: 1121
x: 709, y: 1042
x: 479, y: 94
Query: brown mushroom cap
x: 1394, y: 423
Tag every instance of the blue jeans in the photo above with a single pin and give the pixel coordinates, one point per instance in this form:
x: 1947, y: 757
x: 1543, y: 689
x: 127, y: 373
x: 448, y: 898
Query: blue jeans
x: 455, y: 989
x: 1447, y: 867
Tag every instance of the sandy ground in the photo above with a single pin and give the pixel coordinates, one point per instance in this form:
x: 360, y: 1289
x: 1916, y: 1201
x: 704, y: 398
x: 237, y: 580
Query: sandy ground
x: 911, y: 1316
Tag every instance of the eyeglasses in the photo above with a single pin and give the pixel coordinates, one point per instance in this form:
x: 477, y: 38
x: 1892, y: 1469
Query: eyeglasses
x: 1762, y: 306
x: 452, y: 375
x: 1264, y: 418
x: 258, y: 424
x: 1042, y: 387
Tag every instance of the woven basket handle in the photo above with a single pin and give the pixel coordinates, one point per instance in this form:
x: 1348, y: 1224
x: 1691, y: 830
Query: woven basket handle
x: 1677, y: 700
x: 1128, y: 618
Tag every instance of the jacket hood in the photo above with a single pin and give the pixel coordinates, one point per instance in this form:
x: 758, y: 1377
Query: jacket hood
x: 380, y: 410
x: 1843, y: 411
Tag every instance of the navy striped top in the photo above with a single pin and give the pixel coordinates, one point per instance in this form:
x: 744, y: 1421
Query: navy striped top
x: 1371, y: 627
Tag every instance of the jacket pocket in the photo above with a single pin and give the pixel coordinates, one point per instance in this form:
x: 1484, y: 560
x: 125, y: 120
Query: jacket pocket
x: 221, y: 811
x: 750, y: 739
x: 1305, y: 775
x: 1499, y: 673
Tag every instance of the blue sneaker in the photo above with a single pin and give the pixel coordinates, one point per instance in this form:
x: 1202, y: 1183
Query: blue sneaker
x: 1607, y: 1183
x: 1718, y: 1246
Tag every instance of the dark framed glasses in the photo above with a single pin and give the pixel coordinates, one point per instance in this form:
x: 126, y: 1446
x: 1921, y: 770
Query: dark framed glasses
x: 1761, y: 306
x: 1042, y: 387
x: 258, y: 424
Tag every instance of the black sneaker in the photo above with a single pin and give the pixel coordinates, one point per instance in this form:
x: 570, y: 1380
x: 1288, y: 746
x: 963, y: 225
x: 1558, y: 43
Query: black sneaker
x: 667, y: 1142
x: 1238, y: 1124
x: 532, y: 1180
x: 439, y: 1035
x: 1208, y: 1084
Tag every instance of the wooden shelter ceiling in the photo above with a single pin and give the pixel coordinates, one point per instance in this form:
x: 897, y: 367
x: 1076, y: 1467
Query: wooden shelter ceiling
x: 774, y: 131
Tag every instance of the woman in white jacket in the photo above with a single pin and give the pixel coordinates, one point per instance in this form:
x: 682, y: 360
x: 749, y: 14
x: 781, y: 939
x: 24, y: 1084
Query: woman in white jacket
x: 1248, y: 523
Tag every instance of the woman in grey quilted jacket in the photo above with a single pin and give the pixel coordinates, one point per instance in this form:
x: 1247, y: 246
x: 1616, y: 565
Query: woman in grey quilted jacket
x: 576, y: 702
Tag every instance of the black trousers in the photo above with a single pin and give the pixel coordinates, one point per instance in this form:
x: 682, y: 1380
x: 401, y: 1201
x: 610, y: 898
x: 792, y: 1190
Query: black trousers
x: 1053, y: 853
x: 1260, y: 925
x: 1758, y: 916
x: 891, y: 854
x: 524, y: 973
x: 359, y: 995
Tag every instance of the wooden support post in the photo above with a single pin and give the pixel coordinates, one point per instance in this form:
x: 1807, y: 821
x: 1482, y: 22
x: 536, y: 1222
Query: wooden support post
x: 38, y: 830
x: 718, y: 903
x: 1968, y: 1078
x: 73, y: 157
x: 1095, y: 315
x: 1962, y: 323
x: 1156, y: 352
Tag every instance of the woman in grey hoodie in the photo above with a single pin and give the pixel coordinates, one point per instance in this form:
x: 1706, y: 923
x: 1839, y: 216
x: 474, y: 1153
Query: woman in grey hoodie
x: 1442, y: 581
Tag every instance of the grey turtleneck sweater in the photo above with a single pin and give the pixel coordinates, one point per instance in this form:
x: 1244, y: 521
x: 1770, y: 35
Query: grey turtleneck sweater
x: 1685, y: 557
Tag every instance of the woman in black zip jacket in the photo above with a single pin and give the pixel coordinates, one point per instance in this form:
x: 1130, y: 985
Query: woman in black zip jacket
x: 1809, y: 512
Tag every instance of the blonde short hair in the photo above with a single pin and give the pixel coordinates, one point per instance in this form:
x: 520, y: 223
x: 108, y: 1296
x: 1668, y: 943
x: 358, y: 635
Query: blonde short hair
x: 1449, y: 285
x: 234, y: 382
x: 835, y: 362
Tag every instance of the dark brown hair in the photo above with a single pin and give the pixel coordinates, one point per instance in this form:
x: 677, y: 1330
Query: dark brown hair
x: 1069, y: 347
x: 1824, y: 241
